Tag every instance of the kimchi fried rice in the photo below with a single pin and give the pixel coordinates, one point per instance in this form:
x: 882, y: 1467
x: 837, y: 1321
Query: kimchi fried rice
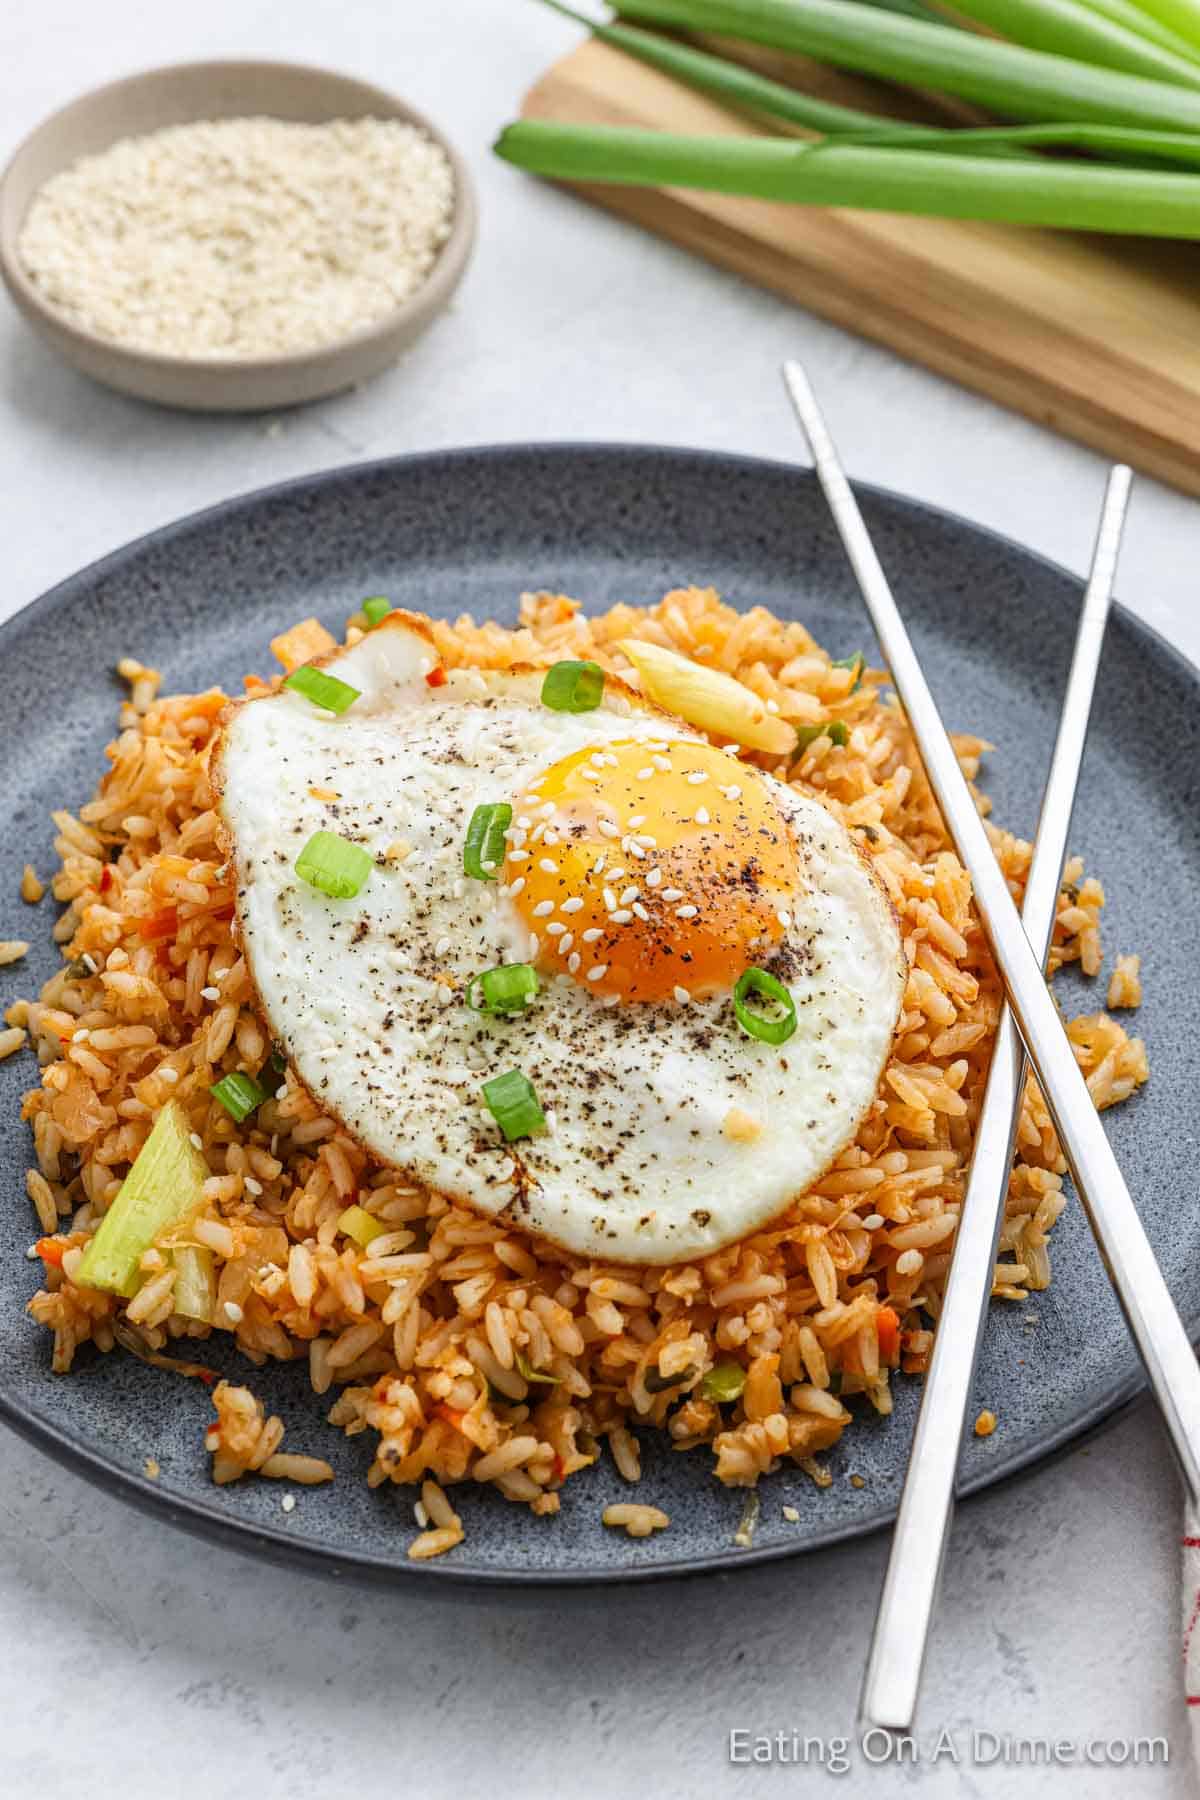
x: 460, y: 1348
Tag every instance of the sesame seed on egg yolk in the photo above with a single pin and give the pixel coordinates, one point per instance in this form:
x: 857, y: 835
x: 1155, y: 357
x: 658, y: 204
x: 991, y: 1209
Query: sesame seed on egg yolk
x: 643, y: 868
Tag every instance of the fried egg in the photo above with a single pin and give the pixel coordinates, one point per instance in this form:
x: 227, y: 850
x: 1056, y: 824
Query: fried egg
x: 643, y: 871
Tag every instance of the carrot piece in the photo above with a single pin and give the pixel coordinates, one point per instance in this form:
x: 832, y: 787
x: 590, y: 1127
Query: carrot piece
x: 302, y: 643
x: 159, y: 925
x: 436, y: 677
x: 887, y: 1329
x: 51, y: 1250
x: 451, y: 1416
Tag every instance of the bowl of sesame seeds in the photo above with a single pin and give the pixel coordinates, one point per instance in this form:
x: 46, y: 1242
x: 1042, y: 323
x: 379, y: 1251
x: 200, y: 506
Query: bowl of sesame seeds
x: 234, y: 236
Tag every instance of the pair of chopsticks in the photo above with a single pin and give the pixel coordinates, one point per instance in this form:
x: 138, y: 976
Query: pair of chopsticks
x: 1020, y: 945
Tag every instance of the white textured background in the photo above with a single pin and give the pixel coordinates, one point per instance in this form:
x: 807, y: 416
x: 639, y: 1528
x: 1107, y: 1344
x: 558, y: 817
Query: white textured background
x: 136, y: 1660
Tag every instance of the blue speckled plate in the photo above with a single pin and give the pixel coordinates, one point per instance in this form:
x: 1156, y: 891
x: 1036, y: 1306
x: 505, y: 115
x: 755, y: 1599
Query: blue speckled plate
x: 471, y: 530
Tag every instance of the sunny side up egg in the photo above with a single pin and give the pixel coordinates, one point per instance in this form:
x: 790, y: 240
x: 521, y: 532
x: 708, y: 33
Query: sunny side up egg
x: 642, y: 873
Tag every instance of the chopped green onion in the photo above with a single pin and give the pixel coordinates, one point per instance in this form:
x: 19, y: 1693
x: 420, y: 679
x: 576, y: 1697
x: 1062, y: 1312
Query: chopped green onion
x: 194, y: 1295
x: 776, y: 1023
x: 506, y: 989
x: 835, y: 729
x: 165, y: 1184
x: 239, y: 1094
x: 514, y: 1105
x: 333, y: 865
x: 724, y: 1382
x: 322, y: 689
x: 527, y: 1372
x: 854, y: 662
x: 483, y: 851
x: 359, y: 1224
x: 573, y: 687
x: 376, y: 608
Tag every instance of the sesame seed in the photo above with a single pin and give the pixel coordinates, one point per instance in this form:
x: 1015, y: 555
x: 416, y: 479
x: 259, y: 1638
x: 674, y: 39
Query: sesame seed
x: 81, y: 1036
x: 524, y: 823
x: 597, y: 757
x: 872, y: 1222
x: 784, y: 917
x: 686, y: 912
x: 702, y: 816
x: 251, y: 1186
x: 616, y: 874
x: 639, y: 911
x: 543, y: 909
x: 646, y: 841
x: 445, y: 995
x: 169, y: 1075
x: 488, y: 864
x: 288, y: 1503
x: 607, y: 829
x: 592, y: 774
x: 564, y: 943
x: 518, y: 856
x: 772, y: 706
x: 697, y: 777
x: 732, y: 792
x: 514, y: 887
x: 682, y: 995
x: 441, y: 947
x: 233, y: 1312
x: 597, y: 972
x: 670, y: 894
x: 555, y: 928
x: 546, y: 811
x: 622, y: 916
x: 637, y: 819
x: 653, y: 877
x: 573, y: 905
x: 610, y: 899
x: 593, y: 935
x: 629, y: 896
x: 573, y: 962
x: 645, y: 774
x: 660, y: 762
x: 635, y: 849
x: 546, y: 866
x: 598, y: 866
x: 210, y: 993
x: 538, y: 833
x: 195, y: 1140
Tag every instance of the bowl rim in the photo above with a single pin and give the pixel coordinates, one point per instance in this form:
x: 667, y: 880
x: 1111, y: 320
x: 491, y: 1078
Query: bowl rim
x: 433, y: 292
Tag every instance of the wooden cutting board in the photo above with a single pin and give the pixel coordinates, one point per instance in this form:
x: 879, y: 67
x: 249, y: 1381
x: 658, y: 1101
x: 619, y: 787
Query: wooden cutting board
x: 1097, y: 337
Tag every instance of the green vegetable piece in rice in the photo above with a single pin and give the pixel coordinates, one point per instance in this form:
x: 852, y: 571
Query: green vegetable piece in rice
x: 854, y: 662
x: 165, y: 1184
x: 724, y: 1382
x: 358, y: 1223
x: 835, y: 729
x: 527, y: 1372
x: 195, y: 1291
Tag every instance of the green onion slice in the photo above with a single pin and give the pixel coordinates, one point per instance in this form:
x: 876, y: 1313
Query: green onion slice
x: 724, y: 1382
x: 337, y: 867
x: 527, y: 1372
x: 835, y: 729
x: 573, y: 687
x: 506, y: 989
x: 239, y: 1094
x: 855, y: 662
x: 483, y: 851
x: 376, y: 608
x: 322, y: 689
x: 514, y: 1105
x: 775, y: 1023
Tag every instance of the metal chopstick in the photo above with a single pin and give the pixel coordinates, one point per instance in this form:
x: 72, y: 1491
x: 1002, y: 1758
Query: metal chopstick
x: 1150, y: 1312
x: 918, y: 1546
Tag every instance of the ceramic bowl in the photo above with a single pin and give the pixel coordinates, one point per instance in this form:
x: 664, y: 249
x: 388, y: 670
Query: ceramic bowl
x: 221, y: 90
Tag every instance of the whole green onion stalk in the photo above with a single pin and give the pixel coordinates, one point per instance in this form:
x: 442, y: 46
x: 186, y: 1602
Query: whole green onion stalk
x: 1072, y: 196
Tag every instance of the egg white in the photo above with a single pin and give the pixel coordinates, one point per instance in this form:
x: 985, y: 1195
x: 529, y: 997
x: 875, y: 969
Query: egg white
x: 367, y: 996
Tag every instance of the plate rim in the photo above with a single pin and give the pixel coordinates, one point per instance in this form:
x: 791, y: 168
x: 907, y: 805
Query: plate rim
x: 203, y: 1517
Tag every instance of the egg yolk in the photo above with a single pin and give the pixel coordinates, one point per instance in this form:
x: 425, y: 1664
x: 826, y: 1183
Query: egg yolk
x: 651, y: 870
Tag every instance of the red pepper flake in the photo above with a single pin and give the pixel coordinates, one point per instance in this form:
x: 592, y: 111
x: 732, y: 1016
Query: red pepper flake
x: 106, y: 878
x: 436, y: 677
x: 560, y: 1468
